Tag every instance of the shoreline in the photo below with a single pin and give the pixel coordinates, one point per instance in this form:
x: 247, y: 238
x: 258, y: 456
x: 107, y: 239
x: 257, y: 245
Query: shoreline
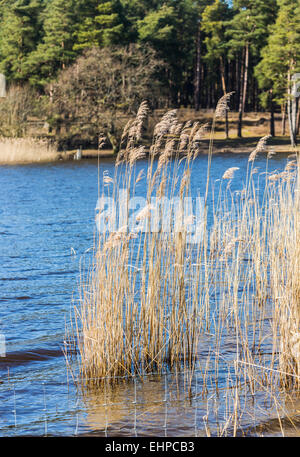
x: 50, y: 149
x: 280, y: 145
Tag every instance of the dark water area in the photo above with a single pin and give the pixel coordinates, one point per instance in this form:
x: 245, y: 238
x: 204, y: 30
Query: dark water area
x: 47, y: 223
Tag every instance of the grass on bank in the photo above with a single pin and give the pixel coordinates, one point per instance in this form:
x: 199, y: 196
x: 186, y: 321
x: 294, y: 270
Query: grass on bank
x: 26, y: 150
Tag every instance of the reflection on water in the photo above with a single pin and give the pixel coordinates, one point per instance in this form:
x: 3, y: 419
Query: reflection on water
x: 127, y: 405
x: 46, y: 225
x: 157, y: 406
x: 153, y: 406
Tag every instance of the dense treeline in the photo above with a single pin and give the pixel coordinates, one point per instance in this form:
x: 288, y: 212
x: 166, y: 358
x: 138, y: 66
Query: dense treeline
x: 202, y: 48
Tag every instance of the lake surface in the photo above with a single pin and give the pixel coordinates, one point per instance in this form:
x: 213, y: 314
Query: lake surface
x: 47, y: 224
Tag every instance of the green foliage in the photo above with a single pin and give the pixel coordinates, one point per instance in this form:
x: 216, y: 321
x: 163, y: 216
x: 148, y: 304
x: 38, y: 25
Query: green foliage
x: 104, y: 26
x: 158, y: 26
x: 214, y: 21
x: 249, y: 24
x: 171, y: 29
x: 282, y: 52
x: 19, y: 33
x: 197, y: 40
x: 55, y: 51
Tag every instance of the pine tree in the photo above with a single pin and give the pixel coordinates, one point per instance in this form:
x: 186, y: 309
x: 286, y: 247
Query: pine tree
x: 209, y: 47
x: 86, y: 33
x: 137, y: 10
x: 214, y: 20
x: 104, y: 24
x: 281, y: 60
x: 198, y: 46
x: 248, y: 32
x: 55, y: 51
x: 20, y: 30
x: 170, y: 28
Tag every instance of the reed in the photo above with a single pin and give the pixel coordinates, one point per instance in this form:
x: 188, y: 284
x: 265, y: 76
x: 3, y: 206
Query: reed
x: 148, y: 299
x: 26, y: 150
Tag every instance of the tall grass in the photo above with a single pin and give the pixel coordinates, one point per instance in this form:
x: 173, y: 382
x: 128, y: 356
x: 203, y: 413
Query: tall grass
x: 148, y: 299
x: 24, y: 150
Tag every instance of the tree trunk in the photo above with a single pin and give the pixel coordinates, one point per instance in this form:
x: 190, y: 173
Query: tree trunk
x: 237, y: 82
x: 111, y: 134
x: 198, y: 71
x: 243, y: 92
x: 240, y: 109
x: 292, y: 112
x: 283, y: 117
x: 294, y: 116
x: 298, y: 119
x: 51, y: 93
x: 272, y: 120
x: 203, y: 93
x: 292, y: 133
x: 255, y: 96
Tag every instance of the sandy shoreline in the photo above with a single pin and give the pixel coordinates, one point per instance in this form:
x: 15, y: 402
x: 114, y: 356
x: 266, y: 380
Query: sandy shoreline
x: 16, y: 156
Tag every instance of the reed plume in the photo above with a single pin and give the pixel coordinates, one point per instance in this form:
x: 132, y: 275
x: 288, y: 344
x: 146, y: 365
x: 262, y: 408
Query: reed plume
x: 222, y: 106
x: 229, y: 173
x: 261, y: 147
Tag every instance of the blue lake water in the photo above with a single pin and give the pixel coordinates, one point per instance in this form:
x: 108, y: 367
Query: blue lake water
x: 47, y: 222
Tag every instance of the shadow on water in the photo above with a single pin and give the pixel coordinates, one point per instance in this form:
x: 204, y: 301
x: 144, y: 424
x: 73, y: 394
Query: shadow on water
x: 22, y: 357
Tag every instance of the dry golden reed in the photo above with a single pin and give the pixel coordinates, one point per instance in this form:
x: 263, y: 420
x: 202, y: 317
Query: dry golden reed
x: 26, y: 150
x: 146, y: 301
